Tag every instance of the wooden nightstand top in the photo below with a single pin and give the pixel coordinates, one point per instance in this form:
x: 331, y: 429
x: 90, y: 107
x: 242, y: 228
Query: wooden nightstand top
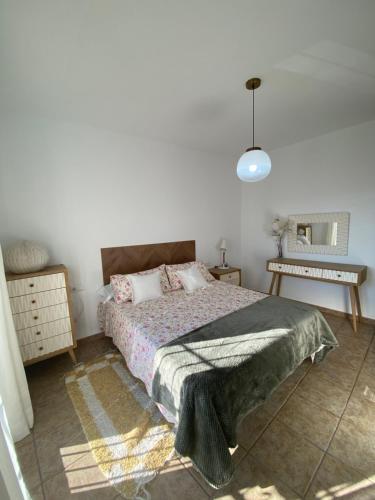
x: 218, y: 271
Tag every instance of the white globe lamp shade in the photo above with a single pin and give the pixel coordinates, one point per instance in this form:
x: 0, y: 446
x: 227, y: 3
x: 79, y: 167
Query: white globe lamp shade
x: 254, y: 165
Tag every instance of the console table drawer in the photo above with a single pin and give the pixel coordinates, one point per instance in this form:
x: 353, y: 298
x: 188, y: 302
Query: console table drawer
x: 313, y: 272
x: 329, y: 274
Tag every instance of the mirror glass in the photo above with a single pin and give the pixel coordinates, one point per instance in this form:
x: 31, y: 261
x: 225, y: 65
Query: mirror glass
x: 324, y: 233
x: 317, y: 233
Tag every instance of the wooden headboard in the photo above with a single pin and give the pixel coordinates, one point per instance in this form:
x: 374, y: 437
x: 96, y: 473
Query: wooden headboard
x: 136, y: 258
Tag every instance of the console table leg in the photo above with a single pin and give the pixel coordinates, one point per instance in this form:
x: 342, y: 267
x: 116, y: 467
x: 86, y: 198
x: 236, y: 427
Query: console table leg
x: 358, y: 303
x: 354, y: 309
x: 272, y: 283
x: 278, y: 284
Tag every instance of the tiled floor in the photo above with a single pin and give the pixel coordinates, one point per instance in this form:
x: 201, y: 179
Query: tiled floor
x: 314, y: 439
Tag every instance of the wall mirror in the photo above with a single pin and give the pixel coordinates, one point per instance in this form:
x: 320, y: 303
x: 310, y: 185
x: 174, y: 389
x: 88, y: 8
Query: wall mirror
x: 319, y: 233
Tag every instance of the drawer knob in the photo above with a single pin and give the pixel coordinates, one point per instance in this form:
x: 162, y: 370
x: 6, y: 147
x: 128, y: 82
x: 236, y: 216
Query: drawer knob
x: 38, y: 333
x: 31, y: 285
x: 339, y: 275
x: 41, y: 348
x: 35, y: 317
x: 306, y: 270
x: 33, y: 301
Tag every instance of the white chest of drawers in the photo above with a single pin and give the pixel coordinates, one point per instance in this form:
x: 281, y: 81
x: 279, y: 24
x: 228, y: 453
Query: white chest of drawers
x: 42, y: 313
x: 343, y: 274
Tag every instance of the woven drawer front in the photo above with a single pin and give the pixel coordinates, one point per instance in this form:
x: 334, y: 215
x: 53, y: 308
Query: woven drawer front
x: 272, y: 266
x: 37, y: 300
x: 233, y: 278
x: 340, y: 276
x: 45, y: 331
x: 31, y: 351
x: 37, y: 284
x: 313, y: 272
x: 39, y: 316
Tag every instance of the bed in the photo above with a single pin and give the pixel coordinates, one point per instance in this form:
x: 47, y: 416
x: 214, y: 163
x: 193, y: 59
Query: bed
x: 210, y: 357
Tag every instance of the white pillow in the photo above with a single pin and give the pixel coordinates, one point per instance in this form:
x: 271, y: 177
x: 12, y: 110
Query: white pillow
x: 192, y: 279
x: 106, y: 293
x: 145, y: 286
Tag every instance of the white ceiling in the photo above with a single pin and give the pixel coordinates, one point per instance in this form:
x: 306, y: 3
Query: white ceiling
x: 175, y: 69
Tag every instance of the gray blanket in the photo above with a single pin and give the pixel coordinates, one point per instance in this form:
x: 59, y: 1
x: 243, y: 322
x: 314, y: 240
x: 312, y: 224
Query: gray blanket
x: 212, y: 377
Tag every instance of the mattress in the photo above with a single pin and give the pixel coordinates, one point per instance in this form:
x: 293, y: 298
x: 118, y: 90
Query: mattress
x: 139, y: 330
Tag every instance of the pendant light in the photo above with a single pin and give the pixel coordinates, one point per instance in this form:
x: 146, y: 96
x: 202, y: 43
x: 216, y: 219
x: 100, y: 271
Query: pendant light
x: 254, y: 165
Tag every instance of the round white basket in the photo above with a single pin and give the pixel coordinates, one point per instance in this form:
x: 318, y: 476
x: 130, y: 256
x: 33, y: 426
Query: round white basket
x: 25, y: 257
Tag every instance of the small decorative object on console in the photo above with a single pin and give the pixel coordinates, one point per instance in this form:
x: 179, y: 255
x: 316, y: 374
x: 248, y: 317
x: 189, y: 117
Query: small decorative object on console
x: 279, y: 228
x: 230, y: 275
x: 25, y: 257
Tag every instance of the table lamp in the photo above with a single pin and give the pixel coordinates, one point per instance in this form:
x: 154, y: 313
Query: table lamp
x: 223, y: 248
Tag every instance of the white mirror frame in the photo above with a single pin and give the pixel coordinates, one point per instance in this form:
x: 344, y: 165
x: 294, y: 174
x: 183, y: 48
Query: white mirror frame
x: 342, y: 218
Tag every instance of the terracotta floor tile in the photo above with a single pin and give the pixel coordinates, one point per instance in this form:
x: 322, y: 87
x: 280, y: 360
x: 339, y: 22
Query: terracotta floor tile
x: 42, y: 389
x: 281, y: 394
x: 361, y: 405
x: 314, y: 423
x: 237, y: 453
x: 50, y: 414
x: 27, y: 440
x: 175, y: 482
x: 59, y: 451
x: 29, y: 465
x: 341, y: 375
x: 354, y: 343
x: 364, y: 330
x: 252, y: 426
x: 37, y: 493
x: 354, y: 444
x: 324, y: 392
x: 83, y: 481
x: 254, y: 480
x: 291, y: 457
x: 336, y: 480
x: 347, y: 357
x: 334, y: 321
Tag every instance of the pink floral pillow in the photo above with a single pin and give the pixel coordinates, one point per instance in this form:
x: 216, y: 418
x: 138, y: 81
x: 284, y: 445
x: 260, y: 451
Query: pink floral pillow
x: 122, y: 288
x: 174, y: 279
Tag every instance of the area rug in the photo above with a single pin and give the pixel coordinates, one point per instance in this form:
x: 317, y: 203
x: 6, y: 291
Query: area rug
x: 129, y: 438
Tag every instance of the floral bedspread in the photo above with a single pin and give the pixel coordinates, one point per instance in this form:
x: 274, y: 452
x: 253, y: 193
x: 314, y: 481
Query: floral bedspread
x: 138, y: 331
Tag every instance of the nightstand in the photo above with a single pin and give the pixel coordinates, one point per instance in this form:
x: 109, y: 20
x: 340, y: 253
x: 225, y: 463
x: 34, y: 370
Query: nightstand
x: 230, y: 275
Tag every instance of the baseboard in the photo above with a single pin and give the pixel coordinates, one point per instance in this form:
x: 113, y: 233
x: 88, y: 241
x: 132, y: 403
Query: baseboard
x: 342, y: 314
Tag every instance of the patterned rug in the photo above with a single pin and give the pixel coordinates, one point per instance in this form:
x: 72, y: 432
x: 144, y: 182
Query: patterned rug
x: 129, y: 438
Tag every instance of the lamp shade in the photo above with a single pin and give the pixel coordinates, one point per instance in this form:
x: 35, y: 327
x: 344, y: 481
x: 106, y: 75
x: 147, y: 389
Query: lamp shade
x: 223, y: 245
x: 253, y: 166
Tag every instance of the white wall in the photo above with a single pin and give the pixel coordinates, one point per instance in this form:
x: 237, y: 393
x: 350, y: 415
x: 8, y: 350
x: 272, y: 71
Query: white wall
x: 331, y: 173
x: 78, y: 189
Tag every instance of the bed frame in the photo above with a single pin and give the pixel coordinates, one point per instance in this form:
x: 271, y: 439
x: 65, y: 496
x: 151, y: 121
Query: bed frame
x: 136, y: 258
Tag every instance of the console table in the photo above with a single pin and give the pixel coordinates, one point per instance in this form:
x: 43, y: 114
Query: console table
x: 342, y: 274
